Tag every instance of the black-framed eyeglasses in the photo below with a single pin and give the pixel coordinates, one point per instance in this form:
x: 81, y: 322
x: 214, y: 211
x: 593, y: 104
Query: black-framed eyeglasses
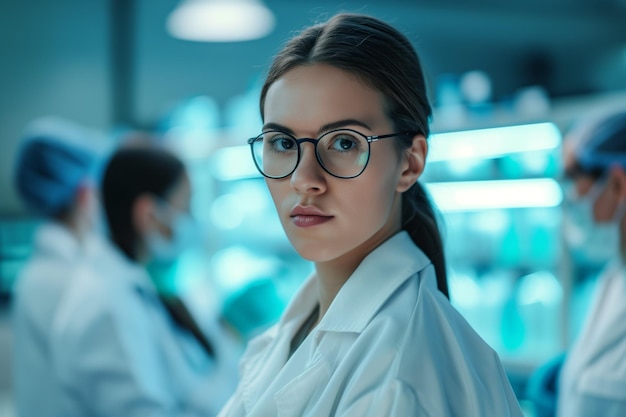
x: 343, y: 153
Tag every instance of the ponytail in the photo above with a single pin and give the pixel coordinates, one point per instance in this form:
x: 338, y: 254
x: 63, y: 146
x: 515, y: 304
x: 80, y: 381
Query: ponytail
x: 420, y: 221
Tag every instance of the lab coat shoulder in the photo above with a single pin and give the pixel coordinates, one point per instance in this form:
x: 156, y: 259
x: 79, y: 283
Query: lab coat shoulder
x: 43, y: 280
x: 101, y: 346
x: 461, y: 366
x: 41, y: 276
x: 37, y: 294
x: 94, y: 307
x: 437, y: 365
x: 35, y: 298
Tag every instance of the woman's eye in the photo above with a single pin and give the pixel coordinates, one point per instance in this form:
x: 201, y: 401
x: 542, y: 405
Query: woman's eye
x: 282, y: 143
x: 344, y: 143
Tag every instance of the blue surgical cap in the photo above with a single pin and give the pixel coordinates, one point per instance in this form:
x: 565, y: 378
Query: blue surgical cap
x: 602, y: 143
x: 52, y: 164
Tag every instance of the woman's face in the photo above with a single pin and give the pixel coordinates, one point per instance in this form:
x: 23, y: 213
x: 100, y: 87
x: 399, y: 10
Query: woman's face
x: 325, y: 217
x: 155, y: 215
x: 167, y: 228
x: 606, y: 192
x: 178, y: 201
x: 179, y: 197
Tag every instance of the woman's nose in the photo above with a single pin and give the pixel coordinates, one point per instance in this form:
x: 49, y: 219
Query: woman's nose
x: 309, y: 175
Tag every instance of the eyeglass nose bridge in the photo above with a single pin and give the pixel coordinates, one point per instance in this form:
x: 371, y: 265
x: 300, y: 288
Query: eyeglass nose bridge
x: 304, y: 140
x: 314, y: 142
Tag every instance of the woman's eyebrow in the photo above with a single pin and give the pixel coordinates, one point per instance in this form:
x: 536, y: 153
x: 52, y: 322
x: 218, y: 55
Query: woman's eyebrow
x: 276, y: 126
x: 342, y: 123
x: 325, y: 128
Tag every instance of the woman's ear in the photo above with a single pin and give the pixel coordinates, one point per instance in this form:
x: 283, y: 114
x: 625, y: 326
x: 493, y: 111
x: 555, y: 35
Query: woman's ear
x: 83, y: 194
x: 413, y: 163
x: 142, y: 212
x: 85, y: 199
x: 617, y: 179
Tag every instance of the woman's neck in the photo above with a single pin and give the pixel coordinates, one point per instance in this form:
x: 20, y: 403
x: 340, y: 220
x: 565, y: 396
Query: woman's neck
x: 77, y: 226
x: 333, y: 274
x: 330, y: 277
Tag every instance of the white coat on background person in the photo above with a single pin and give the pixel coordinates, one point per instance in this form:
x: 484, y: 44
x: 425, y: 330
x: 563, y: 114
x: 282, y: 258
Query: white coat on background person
x: 55, y: 171
x: 593, y: 377
x: 117, y: 351
x: 40, y: 287
x: 118, y: 346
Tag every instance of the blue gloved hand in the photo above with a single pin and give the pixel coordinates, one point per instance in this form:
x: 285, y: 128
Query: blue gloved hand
x: 542, y: 387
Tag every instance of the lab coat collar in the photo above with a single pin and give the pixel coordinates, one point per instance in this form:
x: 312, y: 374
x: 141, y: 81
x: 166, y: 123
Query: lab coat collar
x: 129, y: 270
x: 383, y: 271
x: 55, y: 239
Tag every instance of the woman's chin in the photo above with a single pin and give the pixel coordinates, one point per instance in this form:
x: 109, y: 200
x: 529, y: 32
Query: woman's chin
x: 315, y: 251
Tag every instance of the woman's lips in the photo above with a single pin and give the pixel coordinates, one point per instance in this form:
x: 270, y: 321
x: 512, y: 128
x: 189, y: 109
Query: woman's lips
x: 308, y: 216
x: 302, y: 220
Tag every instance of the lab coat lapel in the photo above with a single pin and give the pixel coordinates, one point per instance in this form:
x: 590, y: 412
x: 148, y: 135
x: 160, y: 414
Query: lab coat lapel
x: 378, y: 276
x: 263, y: 361
x: 263, y: 368
x: 293, y: 398
x: 284, y: 386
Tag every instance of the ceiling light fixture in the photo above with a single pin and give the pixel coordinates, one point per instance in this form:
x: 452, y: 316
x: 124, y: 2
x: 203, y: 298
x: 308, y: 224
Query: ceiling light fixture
x: 220, y: 20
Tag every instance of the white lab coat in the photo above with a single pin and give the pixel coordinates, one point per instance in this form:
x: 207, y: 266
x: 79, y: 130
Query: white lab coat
x: 389, y: 345
x: 593, y: 377
x: 36, y: 298
x: 113, y: 350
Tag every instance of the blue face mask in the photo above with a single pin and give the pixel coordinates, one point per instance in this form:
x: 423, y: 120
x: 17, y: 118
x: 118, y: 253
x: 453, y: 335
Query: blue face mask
x: 588, y: 241
x: 185, y: 235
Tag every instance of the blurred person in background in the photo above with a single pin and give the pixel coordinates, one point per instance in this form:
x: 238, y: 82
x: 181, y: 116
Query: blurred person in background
x: 122, y: 349
x: 592, y: 381
x: 55, y: 177
x: 371, y: 331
